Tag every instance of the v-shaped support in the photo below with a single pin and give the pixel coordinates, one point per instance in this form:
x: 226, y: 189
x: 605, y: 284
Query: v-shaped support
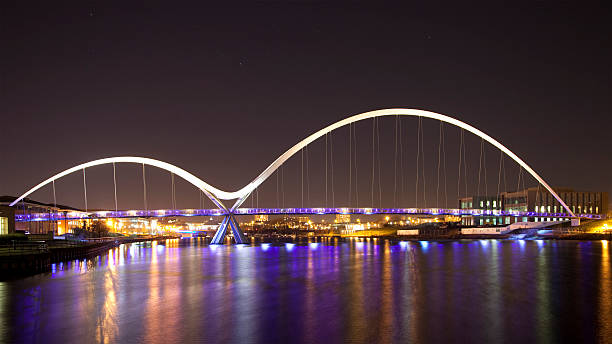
x: 229, y: 220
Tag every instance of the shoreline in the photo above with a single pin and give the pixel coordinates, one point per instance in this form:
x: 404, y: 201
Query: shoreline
x: 31, y: 263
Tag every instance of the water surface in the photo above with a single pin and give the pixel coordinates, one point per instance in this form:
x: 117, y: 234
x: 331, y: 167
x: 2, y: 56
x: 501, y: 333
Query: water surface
x: 362, y: 291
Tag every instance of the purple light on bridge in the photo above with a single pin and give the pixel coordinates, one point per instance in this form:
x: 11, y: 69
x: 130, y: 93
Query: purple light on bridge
x: 287, y: 211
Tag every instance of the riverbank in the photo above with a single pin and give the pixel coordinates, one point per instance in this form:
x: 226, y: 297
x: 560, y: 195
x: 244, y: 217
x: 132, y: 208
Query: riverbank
x: 38, y: 256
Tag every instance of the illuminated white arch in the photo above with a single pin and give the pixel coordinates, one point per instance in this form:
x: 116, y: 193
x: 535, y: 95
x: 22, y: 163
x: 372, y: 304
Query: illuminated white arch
x: 243, y: 193
x: 216, y: 194
x: 208, y: 190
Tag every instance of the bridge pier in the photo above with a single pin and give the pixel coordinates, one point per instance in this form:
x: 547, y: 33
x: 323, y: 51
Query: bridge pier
x: 229, y: 220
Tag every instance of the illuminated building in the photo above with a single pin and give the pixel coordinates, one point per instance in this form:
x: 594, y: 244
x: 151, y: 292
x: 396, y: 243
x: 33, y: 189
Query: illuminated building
x: 29, y: 207
x: 261, y: 218
x: 343, y: 218
x: 7, y: 220
x: 537, y: 200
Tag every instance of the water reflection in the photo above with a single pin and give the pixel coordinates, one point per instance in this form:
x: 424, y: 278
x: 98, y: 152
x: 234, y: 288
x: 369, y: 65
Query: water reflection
x: 605, y: 294
x: 319, y: 291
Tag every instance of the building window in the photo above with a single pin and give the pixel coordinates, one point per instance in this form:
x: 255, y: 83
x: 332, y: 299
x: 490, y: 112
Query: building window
x: 3, y: 225
x: 494, y: 204
x: 481, y: 204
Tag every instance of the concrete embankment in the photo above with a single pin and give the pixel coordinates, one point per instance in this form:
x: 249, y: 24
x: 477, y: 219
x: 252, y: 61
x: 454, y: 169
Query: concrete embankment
x: 30, y: 263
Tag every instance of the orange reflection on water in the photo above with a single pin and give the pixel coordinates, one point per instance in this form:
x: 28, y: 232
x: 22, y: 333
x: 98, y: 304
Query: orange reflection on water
x: 154, y: 320
x: 356, y: 316
x: 386, y: 319
x: 605, y: 294
x: 107, y: 318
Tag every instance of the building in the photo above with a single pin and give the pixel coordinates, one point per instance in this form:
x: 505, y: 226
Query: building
x: 535, y: 199
x: 480, y: 203
x: 7, y: 220
x: 343, y: 218
x: 261, y: 218
x: 28, y: 207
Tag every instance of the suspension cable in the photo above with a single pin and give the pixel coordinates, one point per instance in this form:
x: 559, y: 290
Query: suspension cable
x: 480, y: 165
x: 444, y: 159
x: 460, y: 160
x: 355, y: 162
x: 326, y: 170
x: 307, y: 179
x: 518, y: 182
x: 395, y: 166
x: 504, y: 168
x: 439, y: 156
x: 54, y: 198
x: 417, y: 162
x: 350, y: 164
x: 331, y: 161
x: 85, y: 190
x: 172, y: 191
x: 401, y: 154
x: 373, y: 150
x: 302, y: 176
x: 423, y: 161
x: 501, y: 155
x: 465, y: 176
x: 484, y: 164
x: 378, y: 154
x: 144, y: 187
x: 283, y: 184
x: 115, y: 184
x: 277, y: 194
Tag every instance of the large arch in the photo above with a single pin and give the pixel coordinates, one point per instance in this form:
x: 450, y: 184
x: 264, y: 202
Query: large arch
x: 240, y: 195
x: 243, y: 193
x: 208, y: 190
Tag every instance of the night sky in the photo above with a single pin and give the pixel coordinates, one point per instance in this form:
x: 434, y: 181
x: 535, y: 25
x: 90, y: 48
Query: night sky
x: 222, y: 91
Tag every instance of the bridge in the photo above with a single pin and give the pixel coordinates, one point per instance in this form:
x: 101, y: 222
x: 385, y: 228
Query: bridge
x: 160, y: 213
x: 217, y: 196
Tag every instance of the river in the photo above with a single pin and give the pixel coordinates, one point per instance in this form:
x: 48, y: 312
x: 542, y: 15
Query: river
x: 361, y: 291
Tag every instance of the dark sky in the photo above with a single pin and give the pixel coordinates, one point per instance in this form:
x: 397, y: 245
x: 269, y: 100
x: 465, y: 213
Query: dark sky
x: 222, y: 91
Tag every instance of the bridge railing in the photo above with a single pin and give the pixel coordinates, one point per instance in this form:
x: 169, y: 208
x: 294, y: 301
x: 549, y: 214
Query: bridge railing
x: 19, y: 247
x: 289, y: 211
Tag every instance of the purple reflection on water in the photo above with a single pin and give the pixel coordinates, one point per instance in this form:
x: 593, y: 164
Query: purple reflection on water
x: 328, y: 291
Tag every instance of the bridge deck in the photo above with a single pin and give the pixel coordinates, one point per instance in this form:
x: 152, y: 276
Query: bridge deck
x: 287, y: 211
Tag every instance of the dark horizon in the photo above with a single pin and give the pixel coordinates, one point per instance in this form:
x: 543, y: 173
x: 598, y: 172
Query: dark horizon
x: 222, y: 91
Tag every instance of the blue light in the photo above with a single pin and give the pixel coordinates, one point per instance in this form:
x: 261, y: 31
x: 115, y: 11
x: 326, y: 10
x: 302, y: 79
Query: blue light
x: 265, y: 246
x: 313, y: 245
x: 404, y: 245
x: 424, y: 244
x: 540, y: 243
x: 289, y: 246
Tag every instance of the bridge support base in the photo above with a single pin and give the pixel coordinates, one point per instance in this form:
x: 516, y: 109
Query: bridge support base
x: 229, y: 220
x: 575, y: 222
